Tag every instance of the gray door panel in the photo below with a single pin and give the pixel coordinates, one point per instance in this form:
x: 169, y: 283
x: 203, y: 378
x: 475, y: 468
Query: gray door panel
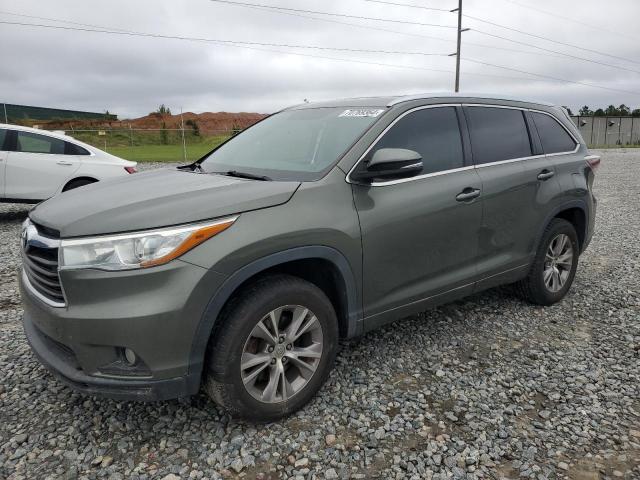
x: 505, y: 204
x: 515, y: 204
x: 543, y: 193
x: 417, y: 239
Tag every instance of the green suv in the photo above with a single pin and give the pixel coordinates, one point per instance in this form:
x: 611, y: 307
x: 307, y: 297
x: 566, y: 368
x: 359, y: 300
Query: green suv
x: 240, y: 272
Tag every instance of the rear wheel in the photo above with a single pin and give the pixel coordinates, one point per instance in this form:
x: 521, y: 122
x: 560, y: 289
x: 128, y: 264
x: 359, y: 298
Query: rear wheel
x: 555, y: 264
x: 79, y: 182
x: 273, y: 350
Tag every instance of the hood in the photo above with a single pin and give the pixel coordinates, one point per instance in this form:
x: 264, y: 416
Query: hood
x: 155, y: 199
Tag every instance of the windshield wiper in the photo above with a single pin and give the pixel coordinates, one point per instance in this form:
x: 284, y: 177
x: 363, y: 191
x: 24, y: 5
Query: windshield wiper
x: 198, y: 167
x: 250, y: 176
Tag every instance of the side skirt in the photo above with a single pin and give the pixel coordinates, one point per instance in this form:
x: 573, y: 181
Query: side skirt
x: 389, y: 316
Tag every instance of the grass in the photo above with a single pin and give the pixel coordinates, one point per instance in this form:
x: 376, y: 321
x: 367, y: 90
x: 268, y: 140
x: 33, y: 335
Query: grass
x: 165, y: 153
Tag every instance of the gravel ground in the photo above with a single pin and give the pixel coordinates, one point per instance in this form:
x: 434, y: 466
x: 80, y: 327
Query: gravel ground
x: 488, y: 387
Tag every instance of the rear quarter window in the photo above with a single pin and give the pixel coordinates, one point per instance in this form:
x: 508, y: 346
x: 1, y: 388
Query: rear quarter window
x: 3, y: 139
x: 554, y: 137
x: 497, y: 134
x: 73, y: 149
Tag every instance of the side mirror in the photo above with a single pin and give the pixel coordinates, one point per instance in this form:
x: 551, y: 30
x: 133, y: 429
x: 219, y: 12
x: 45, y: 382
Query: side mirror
x: 390, y: 163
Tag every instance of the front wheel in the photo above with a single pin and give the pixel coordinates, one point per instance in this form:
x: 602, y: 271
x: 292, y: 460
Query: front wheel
x: 273, y: 350
x: 554, y: 266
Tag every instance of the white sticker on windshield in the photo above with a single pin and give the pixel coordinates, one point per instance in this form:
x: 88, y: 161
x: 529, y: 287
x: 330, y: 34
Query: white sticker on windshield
x: 362, y: 112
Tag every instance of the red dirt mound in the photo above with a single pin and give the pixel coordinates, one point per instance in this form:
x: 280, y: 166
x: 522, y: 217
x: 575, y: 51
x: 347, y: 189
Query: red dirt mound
x: 209, y: 123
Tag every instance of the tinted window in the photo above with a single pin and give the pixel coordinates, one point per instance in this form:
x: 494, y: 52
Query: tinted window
x: 433, y: 133
x: 34, y: 143
x: 3, y: 137
x: 553, y: 136
x: 73, y: 149
x: 497, y: 134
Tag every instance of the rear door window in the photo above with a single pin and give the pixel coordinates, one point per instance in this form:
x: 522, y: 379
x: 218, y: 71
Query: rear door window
x: 432, y: 132
x: 28, y: 142
x: 497, y: 134
x: 554, y: 137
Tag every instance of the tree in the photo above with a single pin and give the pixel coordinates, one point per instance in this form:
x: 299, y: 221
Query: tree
x: 585, y: 111
x: 636, y: 113
x: 568, y: 110
x: 164, y: 135
x: 194, y: 126
x: 599, y: 113
x: 612, y: 111
x: 624, y: 110
x: 162, y: 110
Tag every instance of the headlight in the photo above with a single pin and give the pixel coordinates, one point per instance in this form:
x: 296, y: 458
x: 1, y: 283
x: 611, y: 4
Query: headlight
x: 137, y: 250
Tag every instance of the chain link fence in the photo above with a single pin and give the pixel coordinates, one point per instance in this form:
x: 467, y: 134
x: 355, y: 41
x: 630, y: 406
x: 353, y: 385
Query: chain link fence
x: 152, y: 144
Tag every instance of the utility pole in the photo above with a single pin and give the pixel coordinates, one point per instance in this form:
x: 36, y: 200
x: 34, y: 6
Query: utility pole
x: 457, y: 54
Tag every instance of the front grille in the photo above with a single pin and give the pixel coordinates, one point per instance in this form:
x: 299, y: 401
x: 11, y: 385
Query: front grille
x: 40, y: 260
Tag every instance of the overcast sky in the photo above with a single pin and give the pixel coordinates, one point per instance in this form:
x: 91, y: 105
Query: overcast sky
x: 131, y: 76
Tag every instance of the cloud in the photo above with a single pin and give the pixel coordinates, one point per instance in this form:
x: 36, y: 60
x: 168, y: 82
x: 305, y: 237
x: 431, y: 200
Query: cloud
x: 132, y: 75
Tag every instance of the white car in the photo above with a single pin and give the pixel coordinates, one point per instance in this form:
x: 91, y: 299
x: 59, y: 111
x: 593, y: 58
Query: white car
x: 36, y: 164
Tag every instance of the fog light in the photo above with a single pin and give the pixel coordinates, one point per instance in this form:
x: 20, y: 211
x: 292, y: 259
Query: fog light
x: 130, y: 356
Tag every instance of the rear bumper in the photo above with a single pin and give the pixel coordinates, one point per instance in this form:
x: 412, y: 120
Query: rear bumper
x: 591, y: 223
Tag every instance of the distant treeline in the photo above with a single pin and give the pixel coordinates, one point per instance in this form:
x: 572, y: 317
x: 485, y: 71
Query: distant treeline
x: 610, y: 111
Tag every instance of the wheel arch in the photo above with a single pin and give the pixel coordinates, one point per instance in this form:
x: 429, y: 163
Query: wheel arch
x: 574, y: 212
x: 75, y: 179
x: 332, y: 273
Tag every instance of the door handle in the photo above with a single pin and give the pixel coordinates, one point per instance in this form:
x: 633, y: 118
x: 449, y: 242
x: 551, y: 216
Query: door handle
x: 64, y: 162
x: 468, y: 194
x: 545, y: 175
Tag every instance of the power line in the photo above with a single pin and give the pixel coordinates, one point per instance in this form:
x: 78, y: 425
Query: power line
x: 549, y: 39
x: 234, y: 43
x: 252, y: 46
x: 48, y: 19
x: 367, y: 27
x: 410, y: 34
x: 568, y: 55
x: 99, y: 29
x: 556, y: 52
x: 404, y: 5
x: 332, y: 14
x: 549, y: 77
x: 568, y: 19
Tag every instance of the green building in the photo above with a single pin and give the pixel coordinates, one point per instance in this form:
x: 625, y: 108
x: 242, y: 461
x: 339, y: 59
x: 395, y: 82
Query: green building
x: 11, y: 113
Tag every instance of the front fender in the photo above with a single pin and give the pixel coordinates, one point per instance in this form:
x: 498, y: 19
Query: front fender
x: 234, y: 281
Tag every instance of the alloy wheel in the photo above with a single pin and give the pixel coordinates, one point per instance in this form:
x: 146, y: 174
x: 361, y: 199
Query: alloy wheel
x: 558, y: 263
x: 281, y: 354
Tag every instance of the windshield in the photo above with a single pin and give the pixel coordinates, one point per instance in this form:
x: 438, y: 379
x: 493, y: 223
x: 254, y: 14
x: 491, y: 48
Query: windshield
x: 292, y: 145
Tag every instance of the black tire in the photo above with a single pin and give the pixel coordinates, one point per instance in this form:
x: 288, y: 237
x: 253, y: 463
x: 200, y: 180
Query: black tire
x: 223, y: 381
x: 533, y: 287
x: 79, y: 182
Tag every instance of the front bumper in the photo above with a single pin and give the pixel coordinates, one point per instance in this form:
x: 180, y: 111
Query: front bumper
x: 154, y: 312
x: 61, y: 362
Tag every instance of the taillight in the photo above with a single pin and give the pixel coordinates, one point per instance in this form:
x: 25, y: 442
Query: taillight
x: 593, y: 161
x: 130, y: 169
